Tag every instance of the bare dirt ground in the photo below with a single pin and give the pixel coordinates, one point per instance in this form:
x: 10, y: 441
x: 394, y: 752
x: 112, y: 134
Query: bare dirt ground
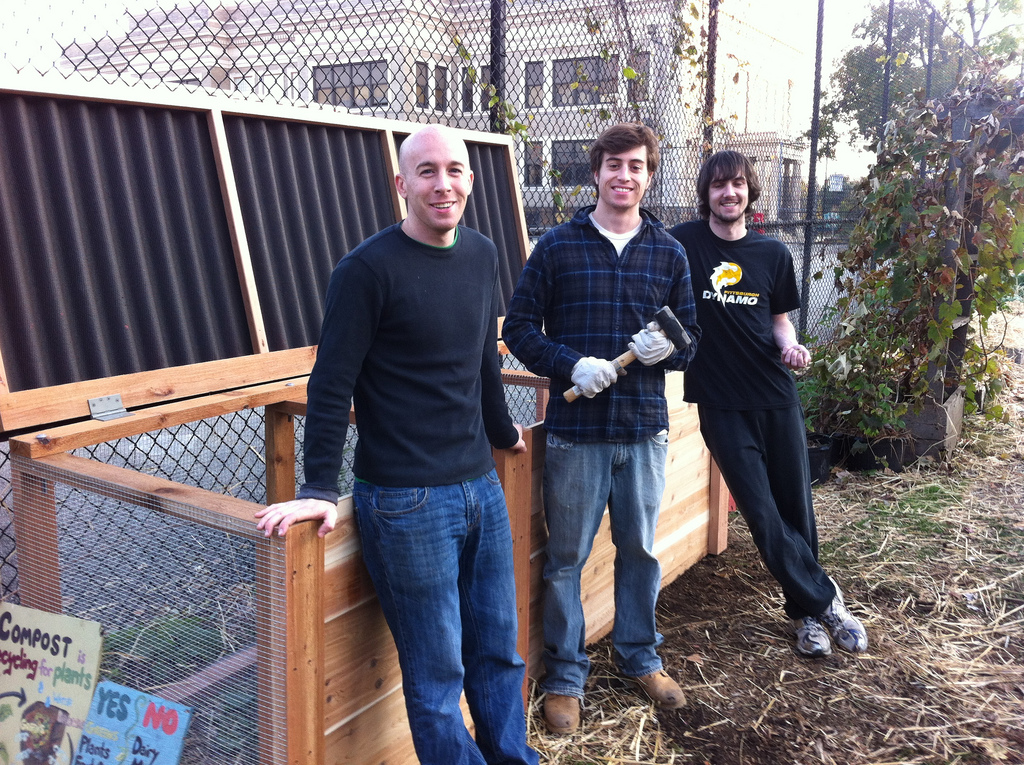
x: 931, y: 559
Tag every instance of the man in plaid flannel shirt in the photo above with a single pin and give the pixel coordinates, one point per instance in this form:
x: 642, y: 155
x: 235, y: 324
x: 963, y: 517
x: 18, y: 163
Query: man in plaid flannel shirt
x: 589, y: 291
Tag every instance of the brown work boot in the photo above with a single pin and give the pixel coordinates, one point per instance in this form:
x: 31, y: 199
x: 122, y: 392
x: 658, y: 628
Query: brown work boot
x: 561, y: 713
x: 663, y: 690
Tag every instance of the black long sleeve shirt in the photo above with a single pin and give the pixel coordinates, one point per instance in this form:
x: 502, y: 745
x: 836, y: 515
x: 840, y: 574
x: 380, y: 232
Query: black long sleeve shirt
x: 409, y: 336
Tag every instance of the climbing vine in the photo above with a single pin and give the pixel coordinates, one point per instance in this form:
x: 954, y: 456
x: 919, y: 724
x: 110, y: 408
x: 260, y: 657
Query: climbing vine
x: 939, y: 249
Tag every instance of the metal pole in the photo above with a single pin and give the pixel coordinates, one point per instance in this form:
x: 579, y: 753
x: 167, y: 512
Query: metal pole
x: 928, y: 72
x: 931, y: 56
x: 805, y: 278
x: 709, y: 83
x: 498, y: 25
x: 888, y: 69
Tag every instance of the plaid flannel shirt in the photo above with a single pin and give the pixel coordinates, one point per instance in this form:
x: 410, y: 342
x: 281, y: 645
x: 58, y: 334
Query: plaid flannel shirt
x: 576, y: 298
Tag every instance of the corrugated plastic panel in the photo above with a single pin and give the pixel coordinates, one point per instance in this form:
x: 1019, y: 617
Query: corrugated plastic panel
x: 308, y: 195
x: 115, y: 255
x: 115, y: 250
x: 491, y: 210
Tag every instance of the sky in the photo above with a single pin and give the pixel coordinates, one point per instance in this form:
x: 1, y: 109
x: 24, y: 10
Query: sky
x: 797, y: 26
x: 29, y: 26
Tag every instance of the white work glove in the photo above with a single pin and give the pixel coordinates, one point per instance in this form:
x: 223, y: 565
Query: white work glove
x: 651, y: 346
x: 592, y: 375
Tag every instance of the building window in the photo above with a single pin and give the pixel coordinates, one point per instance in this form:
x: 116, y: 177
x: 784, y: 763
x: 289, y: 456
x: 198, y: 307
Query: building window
x: 251, y: 84
x: 585, y: 80
x: 572, y: 160
x: 422, y: 85
x: 485, y: 91
x: 637, y: 89
x: 534, y: 83
x: 441, y: 88
x: 539, y: 219
x: 468, y: 89
x: 476, y: 81
x: 534, y: 175
x: 355, y: 85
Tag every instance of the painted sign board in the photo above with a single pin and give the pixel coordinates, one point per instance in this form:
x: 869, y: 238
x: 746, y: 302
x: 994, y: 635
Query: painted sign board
x: 49, y: 666
x: 129, y: 727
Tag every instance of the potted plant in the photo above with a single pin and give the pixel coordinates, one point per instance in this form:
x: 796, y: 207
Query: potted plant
x: 850, y: 397
x: 939, y: 243
x: 820, y: 444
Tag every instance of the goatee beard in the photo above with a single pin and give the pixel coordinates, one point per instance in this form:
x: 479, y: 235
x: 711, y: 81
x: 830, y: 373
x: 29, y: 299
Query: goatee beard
x: 733, y: 219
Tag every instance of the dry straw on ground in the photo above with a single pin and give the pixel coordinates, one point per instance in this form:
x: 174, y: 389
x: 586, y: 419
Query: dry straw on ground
x: 932, y: 559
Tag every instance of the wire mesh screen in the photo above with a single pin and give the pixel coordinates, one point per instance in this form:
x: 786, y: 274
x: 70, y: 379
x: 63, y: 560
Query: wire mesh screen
x: 190, y: 600
x: 8, y: 557
x: 223, y: 454
x: 526, y: 397
x: 553, y: 74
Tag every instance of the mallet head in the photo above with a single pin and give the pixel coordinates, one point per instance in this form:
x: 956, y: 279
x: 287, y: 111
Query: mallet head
x: 670, y: 325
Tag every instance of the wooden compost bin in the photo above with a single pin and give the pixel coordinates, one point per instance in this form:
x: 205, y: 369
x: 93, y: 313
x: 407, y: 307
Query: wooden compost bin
x: 328, y: 677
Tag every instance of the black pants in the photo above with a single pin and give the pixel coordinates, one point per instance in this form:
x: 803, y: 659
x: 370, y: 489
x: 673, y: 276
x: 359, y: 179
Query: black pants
x: 762, y: 454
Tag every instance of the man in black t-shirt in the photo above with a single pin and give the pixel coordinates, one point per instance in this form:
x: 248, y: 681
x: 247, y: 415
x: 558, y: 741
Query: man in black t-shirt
x: 750, y: 414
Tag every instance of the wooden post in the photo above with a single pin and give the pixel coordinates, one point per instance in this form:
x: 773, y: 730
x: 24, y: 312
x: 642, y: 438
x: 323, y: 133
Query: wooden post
x: 236, y: 228
x: 718, y: 512
x: 514, y: 470
x: 304, y: 644
x: 279, y: 440
x: 290, y: 634
x: 542, y: 403
x: 35, y: 534
x: 302, y: 621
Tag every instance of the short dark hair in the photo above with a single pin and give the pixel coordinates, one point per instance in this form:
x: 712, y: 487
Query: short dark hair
x: 622, y: 137
x: 722, y: 165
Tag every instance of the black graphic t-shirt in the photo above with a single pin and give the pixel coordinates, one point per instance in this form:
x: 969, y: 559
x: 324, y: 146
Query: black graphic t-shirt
x: 738, y: 286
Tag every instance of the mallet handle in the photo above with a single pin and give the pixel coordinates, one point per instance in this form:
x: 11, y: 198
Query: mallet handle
x: 618, y: 362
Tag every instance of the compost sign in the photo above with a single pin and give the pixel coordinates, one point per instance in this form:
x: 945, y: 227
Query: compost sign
x: 129, y: 727
x: 48, y: 671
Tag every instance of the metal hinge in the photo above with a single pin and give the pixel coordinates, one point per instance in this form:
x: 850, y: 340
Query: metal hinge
x: 107, y: 407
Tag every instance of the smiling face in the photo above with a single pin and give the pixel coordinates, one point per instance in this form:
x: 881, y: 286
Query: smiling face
x: 727, y: 187
x: 727, y: 199
x: 622, y: 180
x: 435, y: 181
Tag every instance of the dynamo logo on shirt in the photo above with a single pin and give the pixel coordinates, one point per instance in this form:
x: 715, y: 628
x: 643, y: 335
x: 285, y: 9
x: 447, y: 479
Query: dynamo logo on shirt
x: 724, y: 275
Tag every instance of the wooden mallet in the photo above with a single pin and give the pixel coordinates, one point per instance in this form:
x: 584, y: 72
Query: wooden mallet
x: 667, y: 322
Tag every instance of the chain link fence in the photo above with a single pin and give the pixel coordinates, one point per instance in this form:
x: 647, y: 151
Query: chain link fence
x: 552, y: 73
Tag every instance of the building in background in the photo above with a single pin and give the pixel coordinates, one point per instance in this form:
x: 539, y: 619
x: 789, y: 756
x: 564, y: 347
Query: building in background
x: 567, y: 71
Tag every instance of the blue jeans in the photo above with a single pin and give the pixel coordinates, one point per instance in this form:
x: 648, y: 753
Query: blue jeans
x: 440, y: 558
x: 580, y: 479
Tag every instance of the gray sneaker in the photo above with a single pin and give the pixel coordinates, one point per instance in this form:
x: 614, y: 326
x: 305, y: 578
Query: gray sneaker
x: 811, y: 638
x: 847, y: 630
